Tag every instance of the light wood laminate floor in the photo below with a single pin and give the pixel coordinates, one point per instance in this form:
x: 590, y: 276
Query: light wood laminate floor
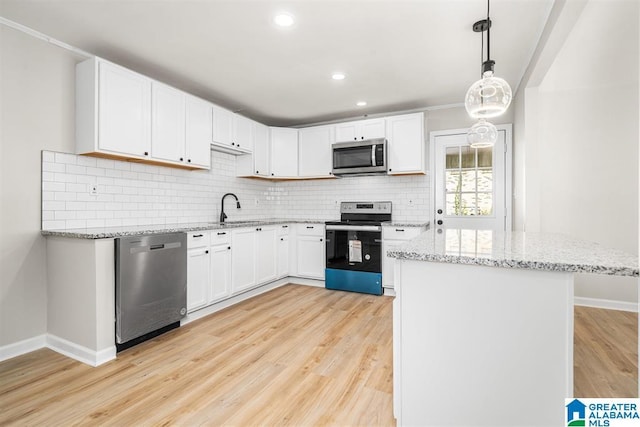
x: 297, y: 355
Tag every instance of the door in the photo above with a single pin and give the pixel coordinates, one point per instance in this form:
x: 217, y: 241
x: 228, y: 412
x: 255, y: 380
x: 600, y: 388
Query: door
x: 311, y: 256
x: 125, y: 111
x: 314, y: 149
x: 168, y: 123
x: 220, y: 272
x: 261, y: 150
x: 284, y: 152
x: 243, y: 260
x: 266, y: 254
x: 405, y: 143
x: 354, y: 249
x: 199, y: 132
x: 472, y: 187
x: 283, y: 256
x: 197, y: 278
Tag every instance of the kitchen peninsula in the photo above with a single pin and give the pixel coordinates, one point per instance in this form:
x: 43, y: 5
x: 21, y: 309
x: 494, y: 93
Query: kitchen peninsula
x: 483, y: 325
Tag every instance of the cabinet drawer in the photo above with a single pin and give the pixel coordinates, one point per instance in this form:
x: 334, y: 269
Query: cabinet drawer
x: 400, y: 233
x: 220, y: 236
x: 197, y: 239
x: 310, y: 229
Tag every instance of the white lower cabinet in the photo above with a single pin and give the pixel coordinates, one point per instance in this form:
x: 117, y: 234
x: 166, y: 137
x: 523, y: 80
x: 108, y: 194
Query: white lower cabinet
x: 310, y: 251
x: 266, y: 254
x: 197, y: 278
x: 220, y: 272
x: 284, y: 251
x: 391, y: 238
x: 243, y: 259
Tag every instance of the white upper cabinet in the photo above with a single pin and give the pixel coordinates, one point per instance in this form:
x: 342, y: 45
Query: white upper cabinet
x: 405, y: 144
x: 242, y: 132
x: 261, y: 151
x: 284, y: 152
x: 360, y: 130
x: 124, y: 114
x: 167, y: 123
x: 113, y: 110
x: 314, y: 151
x: 222, y: 126
x: 198, y: 130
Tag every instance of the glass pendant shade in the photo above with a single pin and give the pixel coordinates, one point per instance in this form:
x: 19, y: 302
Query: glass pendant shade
x: 488, y: 97
x: 482, y: 134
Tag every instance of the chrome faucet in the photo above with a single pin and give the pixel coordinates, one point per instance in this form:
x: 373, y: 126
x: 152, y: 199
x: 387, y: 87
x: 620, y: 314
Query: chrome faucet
x: 223, y: 215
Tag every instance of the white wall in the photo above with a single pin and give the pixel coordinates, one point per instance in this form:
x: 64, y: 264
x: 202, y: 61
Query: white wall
x: 581, y: 166
x: 36, y: 112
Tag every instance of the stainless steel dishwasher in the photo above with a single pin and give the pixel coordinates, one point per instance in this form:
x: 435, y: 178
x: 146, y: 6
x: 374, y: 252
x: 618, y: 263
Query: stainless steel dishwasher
x: 151, y: 286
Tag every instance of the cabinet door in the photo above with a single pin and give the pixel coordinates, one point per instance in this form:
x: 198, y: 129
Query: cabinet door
x: 406, y: 146
x: 243, y: 259
x: 261, y: 150
x: 168, y: 123
x: 222, y: 125
x: 346, y: 131
x: 388, y: 263
x: 283, y: 256
x: 242, y: 132
x: 199, y: 132
x: 311, y: 256
x: 197, y: 278
x: 284, y: 152
x: 372, y: 128
x: 266, y: 254
x: 220, y: 272
x: 124, y: 111
x: 314, y: 151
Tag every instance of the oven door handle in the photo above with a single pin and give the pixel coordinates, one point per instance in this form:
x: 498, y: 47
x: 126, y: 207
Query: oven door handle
x: 354, y: 228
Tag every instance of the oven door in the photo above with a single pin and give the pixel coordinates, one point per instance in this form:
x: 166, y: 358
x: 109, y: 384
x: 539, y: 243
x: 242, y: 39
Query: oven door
x: 354, y: 248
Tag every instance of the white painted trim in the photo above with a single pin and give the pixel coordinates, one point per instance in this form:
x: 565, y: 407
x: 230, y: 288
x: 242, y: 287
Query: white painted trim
x: 80, y: 353
x: 42, y: 36
x: 213, y: 308
x: 606, y: 303
x: 22, y: 347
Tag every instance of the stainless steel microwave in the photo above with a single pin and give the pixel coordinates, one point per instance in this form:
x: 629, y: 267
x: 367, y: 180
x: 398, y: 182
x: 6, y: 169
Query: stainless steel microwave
x: 360, y: 157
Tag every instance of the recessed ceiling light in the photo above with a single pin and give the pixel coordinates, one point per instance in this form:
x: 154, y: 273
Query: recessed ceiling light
x: 361, y: 103
x: 283, y: 20
x: 338, y: 76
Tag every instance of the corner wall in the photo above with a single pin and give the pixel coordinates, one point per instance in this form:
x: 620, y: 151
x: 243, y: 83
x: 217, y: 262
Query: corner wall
x: 581, y: 162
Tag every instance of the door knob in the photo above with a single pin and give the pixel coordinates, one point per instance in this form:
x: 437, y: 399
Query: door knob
x: 439, y: 222
x: 440, y: 211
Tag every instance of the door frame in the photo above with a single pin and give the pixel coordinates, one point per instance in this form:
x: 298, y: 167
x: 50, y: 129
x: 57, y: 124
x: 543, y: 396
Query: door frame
x: 508, y: 170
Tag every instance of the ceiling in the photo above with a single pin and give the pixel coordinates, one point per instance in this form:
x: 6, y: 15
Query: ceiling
x: 397, y: 55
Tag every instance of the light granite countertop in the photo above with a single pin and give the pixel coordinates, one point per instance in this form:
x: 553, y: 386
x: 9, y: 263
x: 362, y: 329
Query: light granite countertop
x: 111, y: 232
x: 533, y: 251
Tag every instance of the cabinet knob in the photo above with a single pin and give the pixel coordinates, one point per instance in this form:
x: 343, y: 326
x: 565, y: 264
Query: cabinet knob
x: 229, y: 247
x: 321, y: 240
x: 233, y: 143
x: 257, y: 171
x: 355, y: 138
x: 188, y: 160
x: 282, y: 239
x: 146, y: 153
x: 206, y: 252
x: 238, y: 145
x: 181, y: 159
x: 362, y: 137
x: 389, y: 169
x: 272, y: 174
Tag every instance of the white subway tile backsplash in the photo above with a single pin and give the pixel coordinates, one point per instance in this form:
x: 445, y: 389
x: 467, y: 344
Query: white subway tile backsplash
x: 139, y: 194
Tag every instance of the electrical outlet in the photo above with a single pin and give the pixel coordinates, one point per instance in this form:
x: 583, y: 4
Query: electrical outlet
x: 256, y: 201
x: 410, y: 202
x: 93, y: 189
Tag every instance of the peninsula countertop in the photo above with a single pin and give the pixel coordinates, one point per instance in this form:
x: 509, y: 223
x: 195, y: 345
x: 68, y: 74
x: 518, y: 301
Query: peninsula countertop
x: 533, y: 251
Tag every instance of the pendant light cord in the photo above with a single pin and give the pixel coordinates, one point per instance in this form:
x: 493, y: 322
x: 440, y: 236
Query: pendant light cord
x: 488, y: 34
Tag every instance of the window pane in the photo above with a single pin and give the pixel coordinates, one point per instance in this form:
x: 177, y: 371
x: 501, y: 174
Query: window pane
x: 485, y: 203
x: 468, y: 157
x: 485, y: 180
x: 485, y: 157
x: 468, y: 204
x: 453, y: 158
x: 468, y: 180
x: 452, y: 204
x: 453, y: 181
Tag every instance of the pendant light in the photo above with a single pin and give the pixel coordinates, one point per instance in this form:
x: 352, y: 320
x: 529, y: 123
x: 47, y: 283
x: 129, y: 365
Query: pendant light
x: 490, y: 96
x: 482, y: 134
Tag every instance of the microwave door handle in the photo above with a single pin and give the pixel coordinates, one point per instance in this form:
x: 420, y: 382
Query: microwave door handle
x: 373, y: 155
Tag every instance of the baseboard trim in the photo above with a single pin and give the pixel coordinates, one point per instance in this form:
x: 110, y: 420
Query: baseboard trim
x: 606, y: 303
x: 80, y: 353
x: 22, y: 347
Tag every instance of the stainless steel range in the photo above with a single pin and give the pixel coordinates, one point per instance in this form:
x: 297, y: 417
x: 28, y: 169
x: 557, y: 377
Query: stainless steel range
x: 354, y: 247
